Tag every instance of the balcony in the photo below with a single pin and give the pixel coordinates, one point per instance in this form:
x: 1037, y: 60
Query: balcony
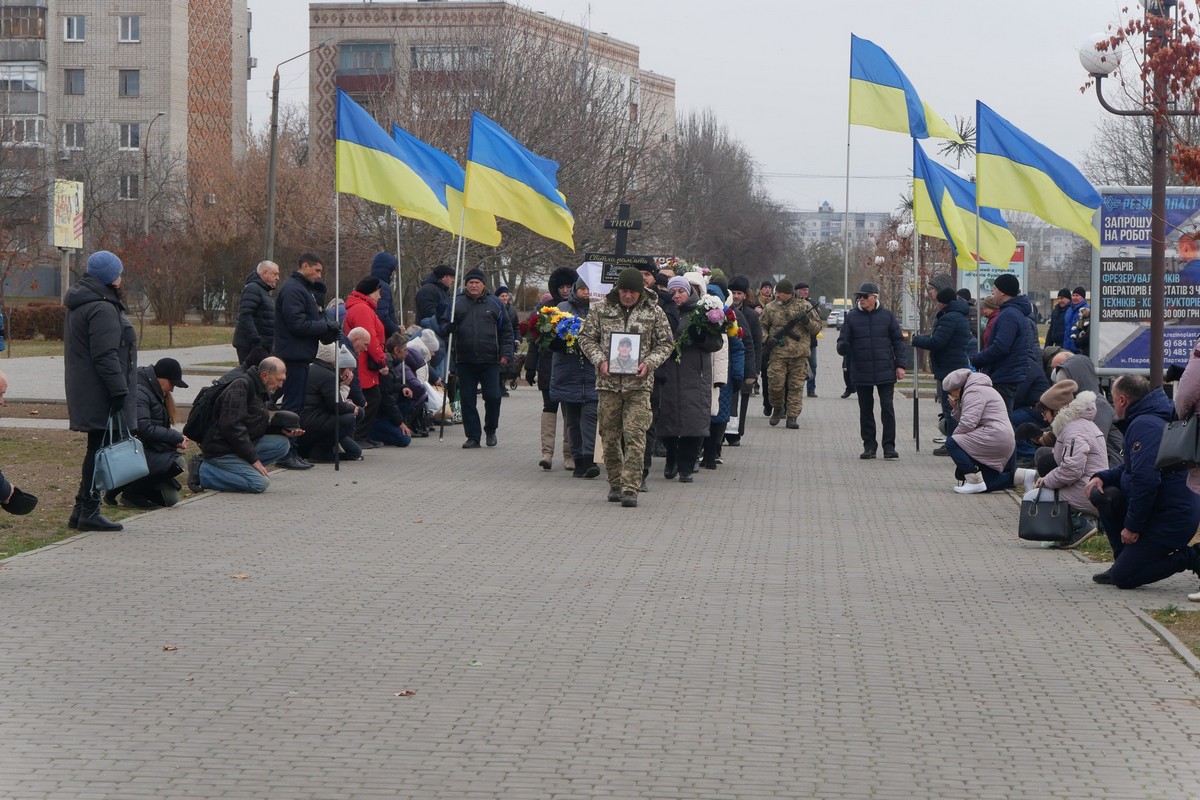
x: 23, y: 50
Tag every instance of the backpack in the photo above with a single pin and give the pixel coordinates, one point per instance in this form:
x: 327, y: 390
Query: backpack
x: 203, y: 413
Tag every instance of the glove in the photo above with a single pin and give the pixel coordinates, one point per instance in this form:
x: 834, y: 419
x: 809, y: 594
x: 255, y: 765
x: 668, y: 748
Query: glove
x: 116, y: 404
x: 449, y: 328
x: 332, y: 333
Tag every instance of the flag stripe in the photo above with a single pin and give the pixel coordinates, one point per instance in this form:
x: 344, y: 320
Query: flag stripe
x: 478, y: 226
x: 382, y: 178
x: 493, y: 147
x: 892, y: 104
x: 999, y: 137
x: 878, y: 106
x: 496, y: 192
x: 1020, y: 187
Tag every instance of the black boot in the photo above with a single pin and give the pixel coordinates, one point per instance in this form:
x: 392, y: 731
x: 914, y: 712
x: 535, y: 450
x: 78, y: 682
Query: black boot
x: 73, y: 521
x: 90, y: 518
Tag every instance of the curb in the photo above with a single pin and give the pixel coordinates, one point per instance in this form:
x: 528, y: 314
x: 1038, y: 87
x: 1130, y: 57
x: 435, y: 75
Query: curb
x: 1169, y: 639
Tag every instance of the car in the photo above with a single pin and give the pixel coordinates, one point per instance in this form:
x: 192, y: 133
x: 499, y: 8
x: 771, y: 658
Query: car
x: 835, y: 319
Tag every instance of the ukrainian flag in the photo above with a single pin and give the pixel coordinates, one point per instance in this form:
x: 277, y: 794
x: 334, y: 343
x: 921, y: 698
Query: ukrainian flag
x: 1016, y: 172
x: 944, y: 207
x: 446, y: 179
x: 371, y: 166
x: 882, y: 97
x: 506, y: 179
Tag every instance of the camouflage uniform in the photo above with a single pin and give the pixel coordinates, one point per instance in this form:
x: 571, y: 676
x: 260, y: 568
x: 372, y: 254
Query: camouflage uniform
x: 623, y: 413
x: 787, y: 368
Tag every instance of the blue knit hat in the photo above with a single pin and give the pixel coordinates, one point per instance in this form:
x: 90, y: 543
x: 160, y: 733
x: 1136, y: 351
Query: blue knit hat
x: 104, y: 266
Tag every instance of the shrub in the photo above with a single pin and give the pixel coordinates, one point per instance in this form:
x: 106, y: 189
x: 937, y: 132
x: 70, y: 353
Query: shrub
x: 38, y: 320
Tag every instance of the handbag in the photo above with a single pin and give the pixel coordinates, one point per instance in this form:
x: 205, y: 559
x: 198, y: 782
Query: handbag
x: 1178, y: 448
x: 1045, y: 520
x: 120, y: 459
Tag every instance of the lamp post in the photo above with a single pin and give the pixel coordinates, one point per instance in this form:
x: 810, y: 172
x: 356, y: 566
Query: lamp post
x: 269, y: 235
x: 1158, y: 107
x: 146, y: 176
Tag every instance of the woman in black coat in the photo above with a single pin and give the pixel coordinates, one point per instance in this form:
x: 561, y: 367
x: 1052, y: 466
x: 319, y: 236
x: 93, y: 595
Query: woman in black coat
x: 327, y: 419
x: 685, y: 387
x: 100, y: 356
x: 163, y: 444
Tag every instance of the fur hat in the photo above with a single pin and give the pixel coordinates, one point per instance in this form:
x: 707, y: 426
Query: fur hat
x: 368, y: 285
x: 565, y: 276
x: 104, y: 266
x: 785, y: 287
x: 946, y: 295
x: 1059, y: 395
x: 1008, y: 283
x: 740, y: 283
x: 630, y: 279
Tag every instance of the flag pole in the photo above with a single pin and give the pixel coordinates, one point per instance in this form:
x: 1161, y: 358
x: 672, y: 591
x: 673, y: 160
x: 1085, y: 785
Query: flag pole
x: 399, y: 309
x: 337, y: 373
x: 914, y: 287
x: 458, y: 264
x: 846, y: 227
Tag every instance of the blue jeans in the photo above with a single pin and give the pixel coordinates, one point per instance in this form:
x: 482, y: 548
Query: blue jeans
x: 231, y: 473
x: 1025, y: 449
x: 383, y: 430
x: 474, y: 379
x: 991, y: 478
x: 812, y: 369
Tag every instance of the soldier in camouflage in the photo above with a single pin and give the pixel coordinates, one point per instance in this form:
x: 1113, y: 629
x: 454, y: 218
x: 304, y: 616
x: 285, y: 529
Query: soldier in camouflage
x: 623, y: 413
x: 788, y: 323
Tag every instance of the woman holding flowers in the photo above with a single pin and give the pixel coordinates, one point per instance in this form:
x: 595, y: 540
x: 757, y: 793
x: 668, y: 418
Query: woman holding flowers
x: 686, y: 380
x: 573, y: 381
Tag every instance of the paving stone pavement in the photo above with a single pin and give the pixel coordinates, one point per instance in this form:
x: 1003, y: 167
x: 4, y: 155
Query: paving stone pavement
x: 796, y: 624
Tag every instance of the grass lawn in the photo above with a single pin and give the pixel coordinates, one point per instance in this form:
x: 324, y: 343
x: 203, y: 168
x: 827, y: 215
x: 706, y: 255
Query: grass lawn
x: 153, y: 337
x: 1183, y: 624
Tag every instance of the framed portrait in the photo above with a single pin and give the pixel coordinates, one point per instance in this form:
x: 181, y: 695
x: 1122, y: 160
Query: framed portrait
x: 624, y: 353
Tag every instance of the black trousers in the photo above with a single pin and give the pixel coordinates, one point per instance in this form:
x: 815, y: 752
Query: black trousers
x: 866, y: 416
x: 374, y: 397
x: 1145, y: 561
x: 88, y: 473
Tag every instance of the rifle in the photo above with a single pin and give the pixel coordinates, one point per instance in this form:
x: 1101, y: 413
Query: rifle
x: 786, y: 330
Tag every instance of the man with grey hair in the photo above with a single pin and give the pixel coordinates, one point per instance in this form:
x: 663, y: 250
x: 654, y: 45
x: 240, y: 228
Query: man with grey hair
x: 256, y: 311
x: 237, y: 449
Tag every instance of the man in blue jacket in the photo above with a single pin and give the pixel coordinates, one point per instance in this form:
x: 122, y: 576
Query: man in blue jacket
x: 1148, y: 516
x: 483, y: 343
x: 947, y: 347
x: 1078, y: 303
x: 383, y: 266
x: 1005, y: 359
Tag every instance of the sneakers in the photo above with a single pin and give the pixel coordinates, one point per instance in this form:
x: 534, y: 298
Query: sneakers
x: 1025, y: 478
x: 792, y: 423
x: 629, y: 500
x: 193, y: 474
x: 972, y: 484
x: 1194, y: 597
x: 939, y: 440
x: 1082, y: 529
x: 941, y: 451
x: 775, y: 417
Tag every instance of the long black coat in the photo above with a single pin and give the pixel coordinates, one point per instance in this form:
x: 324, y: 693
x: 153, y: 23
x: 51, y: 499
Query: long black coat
x: 947, y: 344
x: 159, y: 439
x: 299, y: 324
x: 256, y: 315
x: 1056, y: 331
x: 321, y: 410
x: 100, y: 355
x: 875, y: 345
x: 685, y: 387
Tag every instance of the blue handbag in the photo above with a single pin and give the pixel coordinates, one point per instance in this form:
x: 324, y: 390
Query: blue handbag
x: 120, y: 459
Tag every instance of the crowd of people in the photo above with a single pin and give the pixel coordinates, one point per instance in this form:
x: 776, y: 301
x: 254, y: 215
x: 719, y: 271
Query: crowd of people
x: 664, y: 365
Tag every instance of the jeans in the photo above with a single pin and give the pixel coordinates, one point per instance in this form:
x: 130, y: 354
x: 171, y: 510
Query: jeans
x: 581, y: 429
x: 482, y: 379
x: 1025, y: 448
x: 811, y: 386
x: 994, y: 480
x: 231, y: 473
x: 384, y: 431
x: 866, y: 416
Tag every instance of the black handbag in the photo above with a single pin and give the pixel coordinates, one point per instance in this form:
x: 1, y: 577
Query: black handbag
x: 1045, y: 520
x: 1178, y: 448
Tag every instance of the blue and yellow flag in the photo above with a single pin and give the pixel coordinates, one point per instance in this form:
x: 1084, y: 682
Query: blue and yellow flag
x: 446, y: 179
x: 882, y: 97
x: 1016, y: 172
x: 506, y: 179
x: 944, y: 207
x: 371, y: 166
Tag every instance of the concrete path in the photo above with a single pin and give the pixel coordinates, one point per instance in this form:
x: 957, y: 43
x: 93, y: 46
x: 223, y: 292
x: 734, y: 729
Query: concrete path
x: 796, y: 624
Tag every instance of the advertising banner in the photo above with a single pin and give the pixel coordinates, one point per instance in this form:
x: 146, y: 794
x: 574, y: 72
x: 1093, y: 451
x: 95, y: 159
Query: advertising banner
x: 68, y: 215
x: 1120, y: 302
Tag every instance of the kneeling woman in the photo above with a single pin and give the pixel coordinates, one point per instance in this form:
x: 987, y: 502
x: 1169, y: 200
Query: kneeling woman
x: 163, y: 444
x: 982, y: 445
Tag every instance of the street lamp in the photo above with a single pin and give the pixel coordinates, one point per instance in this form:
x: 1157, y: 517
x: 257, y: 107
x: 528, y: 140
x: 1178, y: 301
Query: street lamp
x: 1159, y: 108
x: 269, y: 236
x: 146, y: 176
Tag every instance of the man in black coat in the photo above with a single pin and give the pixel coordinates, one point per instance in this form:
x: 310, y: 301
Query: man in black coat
x: 947, y: 346
x: 1056, y: 331
x: 433, y: 307
x: 871, y: 337
x: 299, y: 328
x: 483, y: 343
x: 100, y: 356
x: 256, y: 311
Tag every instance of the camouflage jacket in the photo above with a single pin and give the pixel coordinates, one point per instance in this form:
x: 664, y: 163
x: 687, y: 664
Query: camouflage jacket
x: 610, y: 317
x: 776, y: 316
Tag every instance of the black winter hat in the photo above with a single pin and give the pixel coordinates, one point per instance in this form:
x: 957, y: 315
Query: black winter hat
x: 1008, y: 284
x: 564, y: 276
x: 1064, y: 294
x: 443, y: 271
x: 169, y: 368
x: 661, y: 279
x: 965, y: 294
x: 740, y: 283
x: 368, y: 285
x: 630, y: 279
x: 947, y: 295
x: 647, y: 266
x: 475, y: 274
x: 1079, y: 290
x: 766, y: 285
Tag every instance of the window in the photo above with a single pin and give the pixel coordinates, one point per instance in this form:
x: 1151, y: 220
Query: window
x: 130, y: 83
x: 20, y: 78
x: 22, y: 22
x: 131, y: 29
x: 450, y: 58
x: 364, y: 58
x: 73, y: 135
x: 74, y: 83
x: 131, y: 135
x: 129, y: 187
x: 22, y: 130
x: 73, y: 28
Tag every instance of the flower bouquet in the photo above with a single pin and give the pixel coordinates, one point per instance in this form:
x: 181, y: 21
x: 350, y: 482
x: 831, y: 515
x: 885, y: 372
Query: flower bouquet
x: 710, y: 316
x: 551, y: 328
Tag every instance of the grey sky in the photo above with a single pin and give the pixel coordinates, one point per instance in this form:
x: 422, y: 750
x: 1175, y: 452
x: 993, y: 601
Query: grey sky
x: 776, y: 73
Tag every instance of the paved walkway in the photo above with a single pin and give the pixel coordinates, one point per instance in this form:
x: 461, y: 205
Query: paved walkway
x: 796, y: 624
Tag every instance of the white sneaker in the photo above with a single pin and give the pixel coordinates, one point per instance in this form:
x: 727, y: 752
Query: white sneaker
x: 939, y: 440
x: 1194, y: 597
x: 972, y: 484
x: 1025, y: 477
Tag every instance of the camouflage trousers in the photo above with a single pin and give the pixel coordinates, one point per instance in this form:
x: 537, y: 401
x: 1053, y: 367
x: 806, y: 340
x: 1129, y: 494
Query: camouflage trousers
x: 787, y: 374
x: 623, y: 419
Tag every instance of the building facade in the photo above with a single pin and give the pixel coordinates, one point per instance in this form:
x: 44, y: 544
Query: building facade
x: 117, y: 93
x: 826, y: 225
